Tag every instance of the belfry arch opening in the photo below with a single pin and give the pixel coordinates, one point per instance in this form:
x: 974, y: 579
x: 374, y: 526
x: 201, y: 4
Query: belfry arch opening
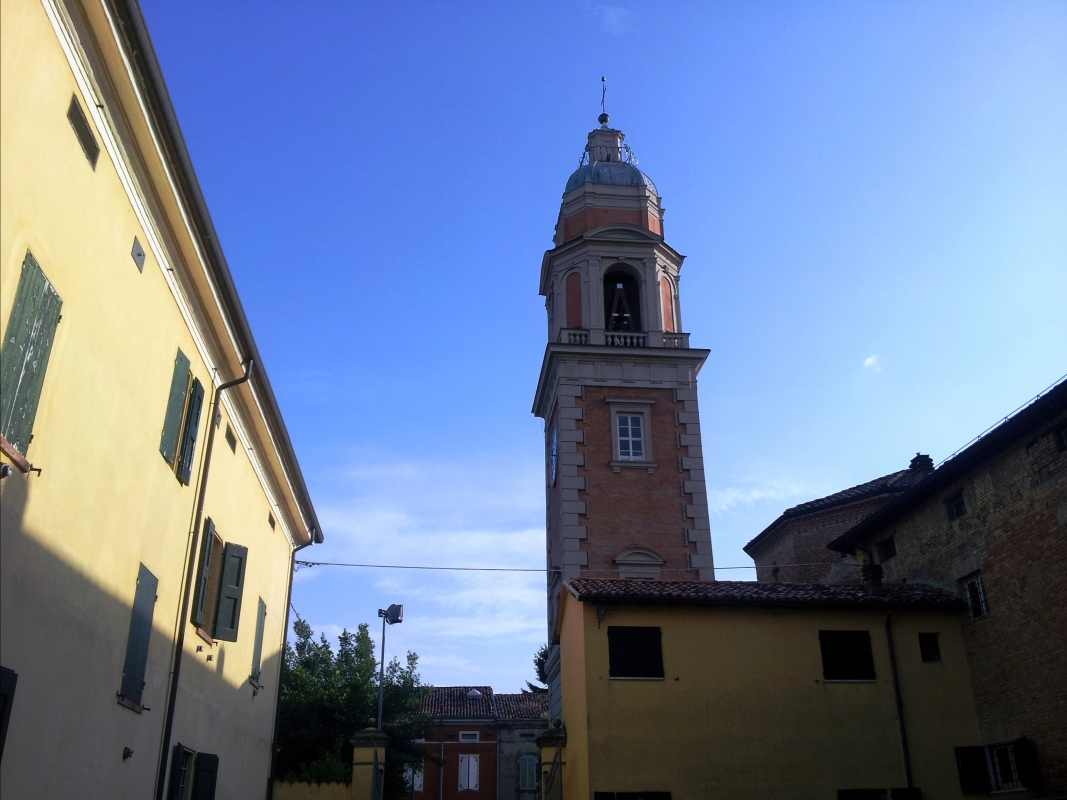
x: 622, y: 301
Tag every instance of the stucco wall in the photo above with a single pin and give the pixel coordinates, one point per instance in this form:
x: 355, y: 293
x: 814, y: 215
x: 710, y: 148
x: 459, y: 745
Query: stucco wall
x: 73, y: 537
x: 743, y: 710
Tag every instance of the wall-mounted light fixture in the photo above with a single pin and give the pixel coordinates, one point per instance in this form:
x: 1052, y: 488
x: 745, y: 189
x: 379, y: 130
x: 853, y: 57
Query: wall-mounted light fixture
x: 601, y: 612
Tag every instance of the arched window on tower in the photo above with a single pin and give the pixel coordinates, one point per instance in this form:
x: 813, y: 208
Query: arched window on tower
x: 622, y: 302
x: 574, y: 300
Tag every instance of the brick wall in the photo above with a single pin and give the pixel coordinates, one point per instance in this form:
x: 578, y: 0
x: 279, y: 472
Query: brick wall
x: 1015, y: 534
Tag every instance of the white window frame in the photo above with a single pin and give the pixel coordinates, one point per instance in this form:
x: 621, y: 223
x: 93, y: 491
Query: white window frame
x: 468, y: 769
x: 469, y: 736
x: 632, y: 407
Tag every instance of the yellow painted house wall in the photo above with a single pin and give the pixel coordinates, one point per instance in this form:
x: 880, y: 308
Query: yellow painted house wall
x: 743, y: 710
x: 105, y: 501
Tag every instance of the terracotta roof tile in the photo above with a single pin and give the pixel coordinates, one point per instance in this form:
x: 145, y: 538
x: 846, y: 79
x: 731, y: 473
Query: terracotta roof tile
x: 528, y: 705
x: 453, y: 702
x: 733, y: 593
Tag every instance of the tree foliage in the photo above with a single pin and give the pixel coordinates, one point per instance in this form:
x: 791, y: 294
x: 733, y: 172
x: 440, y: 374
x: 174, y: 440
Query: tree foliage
x: 539, y: 659
x: 327, y: 697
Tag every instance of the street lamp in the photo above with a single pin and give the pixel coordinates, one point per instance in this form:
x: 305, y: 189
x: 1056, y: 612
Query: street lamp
x: 393, y: 615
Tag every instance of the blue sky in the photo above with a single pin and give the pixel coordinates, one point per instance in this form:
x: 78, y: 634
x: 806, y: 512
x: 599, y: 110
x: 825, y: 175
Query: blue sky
x: 872, y: 199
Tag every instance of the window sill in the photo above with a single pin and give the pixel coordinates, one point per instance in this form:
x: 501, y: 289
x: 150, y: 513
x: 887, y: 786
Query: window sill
x: 850, y: 680
x: 127, y: 703
x: 620, y: 678
x: 205, y: 636
x: 16, y: 457
x: 649, y: 465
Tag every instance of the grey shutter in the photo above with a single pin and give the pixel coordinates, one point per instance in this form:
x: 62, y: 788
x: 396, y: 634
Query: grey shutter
x: 975, y: 777
x: 179, y: 383
x: 206, y: 773
x: 31, y: 329
x: 144, y: 602
x: 228, y: 615
x: 205, y: 573
x: 257, y: 648
x: 192, y: 426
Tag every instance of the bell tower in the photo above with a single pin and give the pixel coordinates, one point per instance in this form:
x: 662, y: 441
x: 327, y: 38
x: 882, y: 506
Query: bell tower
x: 618, y: 394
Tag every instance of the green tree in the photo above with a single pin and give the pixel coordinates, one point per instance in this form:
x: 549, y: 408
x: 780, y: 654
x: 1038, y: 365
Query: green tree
x: 325, y: 698
x: 540, y: 657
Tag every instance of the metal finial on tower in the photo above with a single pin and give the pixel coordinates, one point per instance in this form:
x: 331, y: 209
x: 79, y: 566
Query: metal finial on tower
x: 603, y: 119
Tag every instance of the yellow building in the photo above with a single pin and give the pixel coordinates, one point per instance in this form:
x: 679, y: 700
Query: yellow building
x: 143, y: 600
x: 687, y: 690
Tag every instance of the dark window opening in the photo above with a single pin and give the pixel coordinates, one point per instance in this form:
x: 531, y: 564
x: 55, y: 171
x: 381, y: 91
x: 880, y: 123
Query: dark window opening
x: 231, y: 438
x: 193, y: 775
x: 635, y: 652
x: 83, y: 131
x: 622, y: 303
x: 887, y: 548
x: 974, y: 591
x: 1061, y: 439
x: 998, y: 767
x: 8, y: 679
x: 270, y: 520
x: 956, y: 506
x: 846, y: 655
x: 929, y: 648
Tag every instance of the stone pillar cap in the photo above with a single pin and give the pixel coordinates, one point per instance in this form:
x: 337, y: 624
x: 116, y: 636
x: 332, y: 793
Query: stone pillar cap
x: 369, y: 737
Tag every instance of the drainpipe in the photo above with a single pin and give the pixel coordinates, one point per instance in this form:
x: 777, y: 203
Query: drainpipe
x: 314, y: 537
x: 900, y: 702
x: 168, y: 719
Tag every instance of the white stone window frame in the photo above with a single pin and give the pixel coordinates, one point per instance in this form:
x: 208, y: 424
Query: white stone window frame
x: 632, y: 406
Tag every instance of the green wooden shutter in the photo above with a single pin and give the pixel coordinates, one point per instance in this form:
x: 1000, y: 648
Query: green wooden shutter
x: 205, y: 775
x: 974, y: 770
x: 257, y: 648
x: 228, y: 614
x: 205, y: 572
x: 192, y: 426
x: 172, y: 422
x: 144, y: 602
x: 31, y: 329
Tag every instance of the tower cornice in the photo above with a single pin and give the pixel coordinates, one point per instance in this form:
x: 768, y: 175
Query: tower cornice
x: 602, y: 365
x: 607, y: 242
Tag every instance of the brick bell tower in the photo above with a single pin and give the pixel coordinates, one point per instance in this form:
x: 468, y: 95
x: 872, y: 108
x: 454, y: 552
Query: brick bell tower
x: 624, y: 465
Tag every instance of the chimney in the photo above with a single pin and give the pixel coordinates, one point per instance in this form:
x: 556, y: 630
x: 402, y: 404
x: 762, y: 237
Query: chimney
x: 921, y: 461
x: 872, y: 578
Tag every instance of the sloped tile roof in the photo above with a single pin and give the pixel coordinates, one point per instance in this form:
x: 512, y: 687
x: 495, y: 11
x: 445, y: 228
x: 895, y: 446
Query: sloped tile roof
x: 892, y: 485
x: 734, y: 593
x: 453, y: 702
x: 528, y: 705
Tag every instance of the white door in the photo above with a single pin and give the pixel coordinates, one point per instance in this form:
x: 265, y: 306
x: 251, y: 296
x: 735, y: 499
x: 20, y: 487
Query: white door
x: 468, y: 773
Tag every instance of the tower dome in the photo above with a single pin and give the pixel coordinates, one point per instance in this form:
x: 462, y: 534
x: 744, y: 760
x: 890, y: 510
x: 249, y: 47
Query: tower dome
x: 608, y: 189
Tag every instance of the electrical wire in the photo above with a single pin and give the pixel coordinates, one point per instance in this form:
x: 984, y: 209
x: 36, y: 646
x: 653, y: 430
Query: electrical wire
x: 533, y: 569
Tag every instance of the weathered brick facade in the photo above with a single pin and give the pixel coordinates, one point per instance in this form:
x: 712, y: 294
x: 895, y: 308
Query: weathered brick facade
x: 792, y: 549
x: 1013, y: 534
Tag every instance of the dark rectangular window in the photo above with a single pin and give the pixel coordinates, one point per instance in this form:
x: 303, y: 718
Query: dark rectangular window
x: 956, y: 506
x: 82, y: 130
x: 635, y: 652
x: 1005, y: 766
x: 133, y: 670
x: 27, y: 344
x: 974, y: 592
x: 846, y: 655
x: 8, y: 679
x: 887, y: 548
x: 257, y: 646
x: 929, y: 648
x: 231, y: 438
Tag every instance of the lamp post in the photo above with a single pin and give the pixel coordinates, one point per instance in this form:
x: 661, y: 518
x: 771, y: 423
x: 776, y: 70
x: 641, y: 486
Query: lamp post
x: 393, y: 615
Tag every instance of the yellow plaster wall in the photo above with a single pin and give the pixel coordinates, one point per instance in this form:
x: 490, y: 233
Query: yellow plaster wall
x: 106, y: 500
x: 743, y: 710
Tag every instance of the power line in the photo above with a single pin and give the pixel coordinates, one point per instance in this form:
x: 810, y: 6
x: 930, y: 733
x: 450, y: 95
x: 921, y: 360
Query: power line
x: 532, y: 569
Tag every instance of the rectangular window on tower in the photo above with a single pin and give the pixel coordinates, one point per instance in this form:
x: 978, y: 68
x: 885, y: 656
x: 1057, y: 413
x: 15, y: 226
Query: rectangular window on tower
x: 630, y: 432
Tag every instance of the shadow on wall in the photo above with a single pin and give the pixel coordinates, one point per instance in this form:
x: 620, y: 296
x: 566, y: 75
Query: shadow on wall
x: 65, y: 637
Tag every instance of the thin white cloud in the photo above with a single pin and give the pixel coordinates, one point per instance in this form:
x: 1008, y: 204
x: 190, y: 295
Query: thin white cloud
x: 872, y: 363
x: 612, y: 19
x: 723, y: 500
